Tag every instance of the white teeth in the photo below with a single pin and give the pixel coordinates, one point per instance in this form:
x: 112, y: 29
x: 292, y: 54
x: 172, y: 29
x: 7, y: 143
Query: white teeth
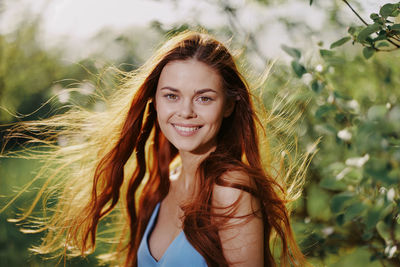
x: 186, y: 129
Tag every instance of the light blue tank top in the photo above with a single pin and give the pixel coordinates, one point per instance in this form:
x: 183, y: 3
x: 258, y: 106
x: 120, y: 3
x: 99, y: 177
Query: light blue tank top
x: 179, y: 253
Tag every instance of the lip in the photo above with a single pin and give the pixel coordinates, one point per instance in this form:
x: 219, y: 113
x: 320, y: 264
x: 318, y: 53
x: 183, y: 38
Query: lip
x: 186, y: 129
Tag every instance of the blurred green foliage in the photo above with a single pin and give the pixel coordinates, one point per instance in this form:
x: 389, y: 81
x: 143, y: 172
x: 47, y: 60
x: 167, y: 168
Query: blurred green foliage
x: 382, y: 35
x: 30, y: 75
x: 349, y: 214
x: 14, y: 245
x: 352, y: 204
x: 352, y: 200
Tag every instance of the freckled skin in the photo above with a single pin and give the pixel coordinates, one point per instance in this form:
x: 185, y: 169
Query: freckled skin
x: 191, y: 104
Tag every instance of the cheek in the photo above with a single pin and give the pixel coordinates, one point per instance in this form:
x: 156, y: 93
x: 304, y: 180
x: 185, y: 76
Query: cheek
x: 163, y: 111
x: 213, y: 116
x: 162, y: 121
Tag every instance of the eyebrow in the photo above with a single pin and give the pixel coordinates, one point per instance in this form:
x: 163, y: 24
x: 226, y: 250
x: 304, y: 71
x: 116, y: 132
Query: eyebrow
x: 205, y: 90
x: 169, y: 88
x: 198, y: 92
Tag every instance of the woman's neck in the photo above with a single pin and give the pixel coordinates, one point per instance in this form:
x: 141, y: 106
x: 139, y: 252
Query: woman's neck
x: 190, y: 163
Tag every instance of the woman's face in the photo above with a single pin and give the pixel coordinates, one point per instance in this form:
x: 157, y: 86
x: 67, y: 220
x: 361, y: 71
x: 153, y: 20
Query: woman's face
x: 191, y: 104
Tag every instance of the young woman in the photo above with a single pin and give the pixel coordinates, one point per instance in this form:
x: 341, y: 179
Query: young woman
x: 176, y: 160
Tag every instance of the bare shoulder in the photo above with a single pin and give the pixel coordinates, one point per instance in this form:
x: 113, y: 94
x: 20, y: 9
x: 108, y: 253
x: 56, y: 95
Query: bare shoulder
x: 227, y: 196
x: 242, y: 236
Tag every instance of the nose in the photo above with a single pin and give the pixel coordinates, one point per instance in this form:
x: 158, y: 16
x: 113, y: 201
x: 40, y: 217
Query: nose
x: 186, y: 111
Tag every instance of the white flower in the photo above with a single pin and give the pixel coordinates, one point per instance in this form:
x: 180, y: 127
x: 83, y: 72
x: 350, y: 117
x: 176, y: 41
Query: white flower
x: 328, y: 231
x: 319, y: 68
x: 389, y: 250
x: 392, y: 251
x: 344, y: 135
x: 353, y: 104
x: 357, y: 162
x: 390, y: 194
x: 382, y: 190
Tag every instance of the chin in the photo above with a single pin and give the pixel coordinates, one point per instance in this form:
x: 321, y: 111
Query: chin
x: 186, y: 148
x: 199, y: 150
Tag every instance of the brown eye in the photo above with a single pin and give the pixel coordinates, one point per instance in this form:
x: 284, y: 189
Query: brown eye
x: 171, y: 96
x: 204, y: 99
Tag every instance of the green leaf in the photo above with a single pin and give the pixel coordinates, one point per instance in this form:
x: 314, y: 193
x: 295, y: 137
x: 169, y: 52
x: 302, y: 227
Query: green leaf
x: 340, y: 42
x: 340, y: 219
x: 373, y: 216
x: 382, y: 35
x: 311, y: 2
x: 353, y: 211
x: 388, y: 10
x: 367, y: 31
x: 338, y: 202
x: 374, y: 16
x: 355, y: 30
x: 317, y: 86
x: 322, y: 110
x: 326, y: 53
x: 378, y: 19
x: 299, y: 69
x: 368, y: 52
x: 354, y: 176
x: 383, y: 230
x: 383, y: 44
x: 352, y: 30
x: 318, y: 203
x: 332, y: 184
x: 293, y: 52
x: 395, y: 27
x: 377, y: 167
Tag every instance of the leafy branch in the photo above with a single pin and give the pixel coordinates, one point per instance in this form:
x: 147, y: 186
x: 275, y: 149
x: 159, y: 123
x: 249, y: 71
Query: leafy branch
x: 383, y: 35
x: 355, y: 12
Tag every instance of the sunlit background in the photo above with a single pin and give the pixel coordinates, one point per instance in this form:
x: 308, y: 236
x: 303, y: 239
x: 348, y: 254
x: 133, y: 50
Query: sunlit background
x: 349, y: 214
x: 72, y: 23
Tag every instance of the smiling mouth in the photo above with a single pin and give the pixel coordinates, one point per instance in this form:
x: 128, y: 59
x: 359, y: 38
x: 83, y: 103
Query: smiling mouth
x: 186, y: 129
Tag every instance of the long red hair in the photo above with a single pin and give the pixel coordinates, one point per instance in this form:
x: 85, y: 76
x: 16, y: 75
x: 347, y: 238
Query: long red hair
x: 130, y: 132
x: 237, y: 149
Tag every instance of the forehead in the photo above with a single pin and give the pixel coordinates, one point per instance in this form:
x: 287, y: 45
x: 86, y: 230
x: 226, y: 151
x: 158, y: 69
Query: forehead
x: 189, y: 74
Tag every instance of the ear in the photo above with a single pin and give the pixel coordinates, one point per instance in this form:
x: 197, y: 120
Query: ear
x: 229, y: 106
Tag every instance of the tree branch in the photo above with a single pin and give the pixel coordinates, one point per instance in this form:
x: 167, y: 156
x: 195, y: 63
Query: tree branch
x: 393, y: 43
x: 355, y: 12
